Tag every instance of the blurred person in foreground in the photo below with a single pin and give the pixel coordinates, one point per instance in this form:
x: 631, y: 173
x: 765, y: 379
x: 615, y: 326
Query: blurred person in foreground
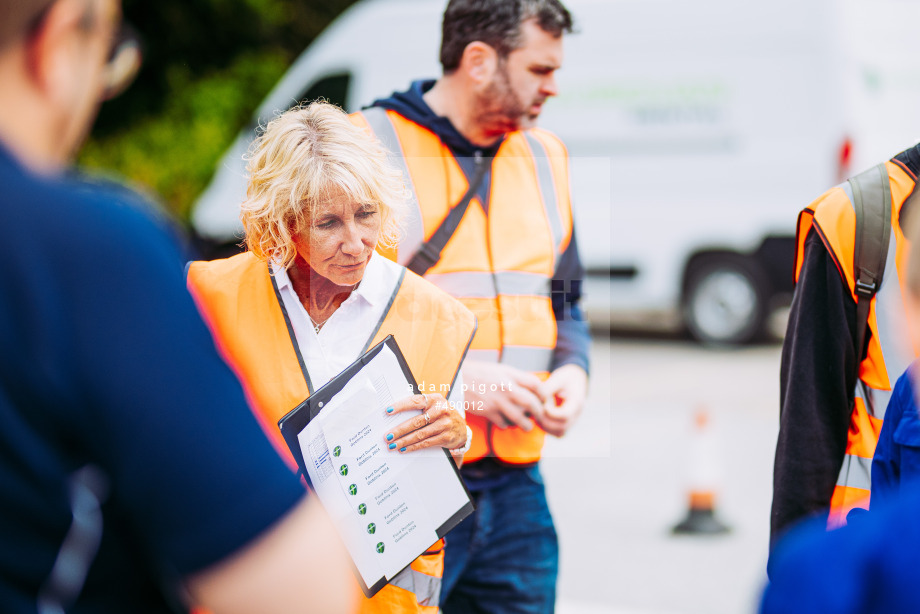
x: 312, y: 295
x: 122, y: 486
x: 835, y: 383
x: 491, y: 224
x: 873, y: 564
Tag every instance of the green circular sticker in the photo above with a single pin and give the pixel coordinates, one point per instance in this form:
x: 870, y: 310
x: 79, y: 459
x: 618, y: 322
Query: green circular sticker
x: 362, y: 509
x: 337, y: 451
x: 380, y: 547
x: 352, y: 490
x: 372, y: 528
x: 343, y: 470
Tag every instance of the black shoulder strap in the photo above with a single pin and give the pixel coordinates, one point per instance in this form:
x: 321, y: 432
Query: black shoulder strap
x: 872, y: 203
x: 430, y: 251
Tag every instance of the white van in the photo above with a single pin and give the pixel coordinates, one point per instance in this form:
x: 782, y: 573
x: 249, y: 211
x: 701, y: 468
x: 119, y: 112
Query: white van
x: 697, y: 130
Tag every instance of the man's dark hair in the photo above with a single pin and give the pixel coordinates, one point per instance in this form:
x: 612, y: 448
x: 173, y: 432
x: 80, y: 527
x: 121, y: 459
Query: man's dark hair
x: 496, y: 23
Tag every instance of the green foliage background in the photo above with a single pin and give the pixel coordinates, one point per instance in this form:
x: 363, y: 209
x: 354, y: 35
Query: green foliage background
x: 207, y: 65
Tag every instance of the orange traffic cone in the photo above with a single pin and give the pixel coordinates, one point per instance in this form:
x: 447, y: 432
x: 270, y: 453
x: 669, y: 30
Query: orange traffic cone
x: 704, y: 472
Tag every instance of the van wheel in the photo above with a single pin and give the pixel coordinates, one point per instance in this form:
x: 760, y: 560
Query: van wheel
x: 725, y: 300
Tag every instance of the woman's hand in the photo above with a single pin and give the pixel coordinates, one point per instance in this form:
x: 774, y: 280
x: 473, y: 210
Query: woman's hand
x: 438, y: 425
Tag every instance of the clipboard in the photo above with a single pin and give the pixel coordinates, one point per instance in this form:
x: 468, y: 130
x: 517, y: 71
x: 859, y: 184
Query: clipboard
x: 297, y: 420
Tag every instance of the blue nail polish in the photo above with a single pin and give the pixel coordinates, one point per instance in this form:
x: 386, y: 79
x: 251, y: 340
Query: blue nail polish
x: 393, y: 446
x: 389, y: 410
x: 401, y: 449
x: 389, y: 436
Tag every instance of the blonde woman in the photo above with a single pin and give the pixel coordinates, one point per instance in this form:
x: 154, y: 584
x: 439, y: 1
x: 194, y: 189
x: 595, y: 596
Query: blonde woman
x: 311, y: 295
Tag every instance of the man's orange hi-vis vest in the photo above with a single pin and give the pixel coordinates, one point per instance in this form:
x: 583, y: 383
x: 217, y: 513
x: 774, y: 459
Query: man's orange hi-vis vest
x: 240, y: 303
x: 888, y: 352
x: 500, y: 265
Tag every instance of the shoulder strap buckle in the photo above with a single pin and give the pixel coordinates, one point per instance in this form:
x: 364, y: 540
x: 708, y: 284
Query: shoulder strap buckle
x: 866, y: 289
x: 425, y: 258
x: 429, y: 253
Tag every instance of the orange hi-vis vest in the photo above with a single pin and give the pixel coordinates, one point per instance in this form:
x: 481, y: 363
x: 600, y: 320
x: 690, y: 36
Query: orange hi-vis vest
x: 500, y: 264
x: 239, y: 301
x: 889, y: 351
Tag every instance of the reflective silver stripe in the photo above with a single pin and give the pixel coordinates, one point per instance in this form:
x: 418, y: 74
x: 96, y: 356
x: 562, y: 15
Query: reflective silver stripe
x: 483, y: 285
x: 880, y: 399
x: 890, y: 320
x: 89, y: 489
x: 412, y: 225
x: 483, y: 355
x: 527, y: 358
x: 524, y: 357
x: 547, y: 187
x: 427, y: 589
x: 464, y: 285
x: 522, y: 284
x: 856, y: 472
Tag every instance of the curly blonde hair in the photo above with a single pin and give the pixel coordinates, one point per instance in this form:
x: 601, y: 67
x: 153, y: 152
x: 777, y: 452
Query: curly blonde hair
x: 304, y: 156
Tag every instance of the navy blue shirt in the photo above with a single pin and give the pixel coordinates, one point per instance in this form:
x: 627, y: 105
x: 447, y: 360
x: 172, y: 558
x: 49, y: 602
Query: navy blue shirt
x: 869, y: 566
x: 105, y: 363
x: 897, y: 455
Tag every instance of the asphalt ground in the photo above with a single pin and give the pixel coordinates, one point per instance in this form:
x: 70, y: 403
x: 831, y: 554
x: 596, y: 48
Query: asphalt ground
x: 620, y: 480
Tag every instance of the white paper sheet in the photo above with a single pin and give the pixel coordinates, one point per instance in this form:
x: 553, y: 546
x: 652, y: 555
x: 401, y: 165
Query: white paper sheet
x: 387, y: 505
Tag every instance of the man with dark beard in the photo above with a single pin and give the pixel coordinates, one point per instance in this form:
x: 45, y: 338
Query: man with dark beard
x: 492, y: 225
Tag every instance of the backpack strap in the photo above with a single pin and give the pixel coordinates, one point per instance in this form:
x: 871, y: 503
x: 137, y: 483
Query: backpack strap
x: 430, y: 251
x: 872, y: 203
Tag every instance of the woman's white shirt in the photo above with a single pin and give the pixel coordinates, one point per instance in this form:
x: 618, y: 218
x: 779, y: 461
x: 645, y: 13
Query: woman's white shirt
x: 343, y: 336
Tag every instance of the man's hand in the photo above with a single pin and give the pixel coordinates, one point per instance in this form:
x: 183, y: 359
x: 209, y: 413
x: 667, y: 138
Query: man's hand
x: 504, y: 395
x: 565, y: 393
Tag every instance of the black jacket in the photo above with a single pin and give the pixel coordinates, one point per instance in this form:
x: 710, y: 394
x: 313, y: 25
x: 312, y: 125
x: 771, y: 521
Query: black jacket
x: 817, y: 382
